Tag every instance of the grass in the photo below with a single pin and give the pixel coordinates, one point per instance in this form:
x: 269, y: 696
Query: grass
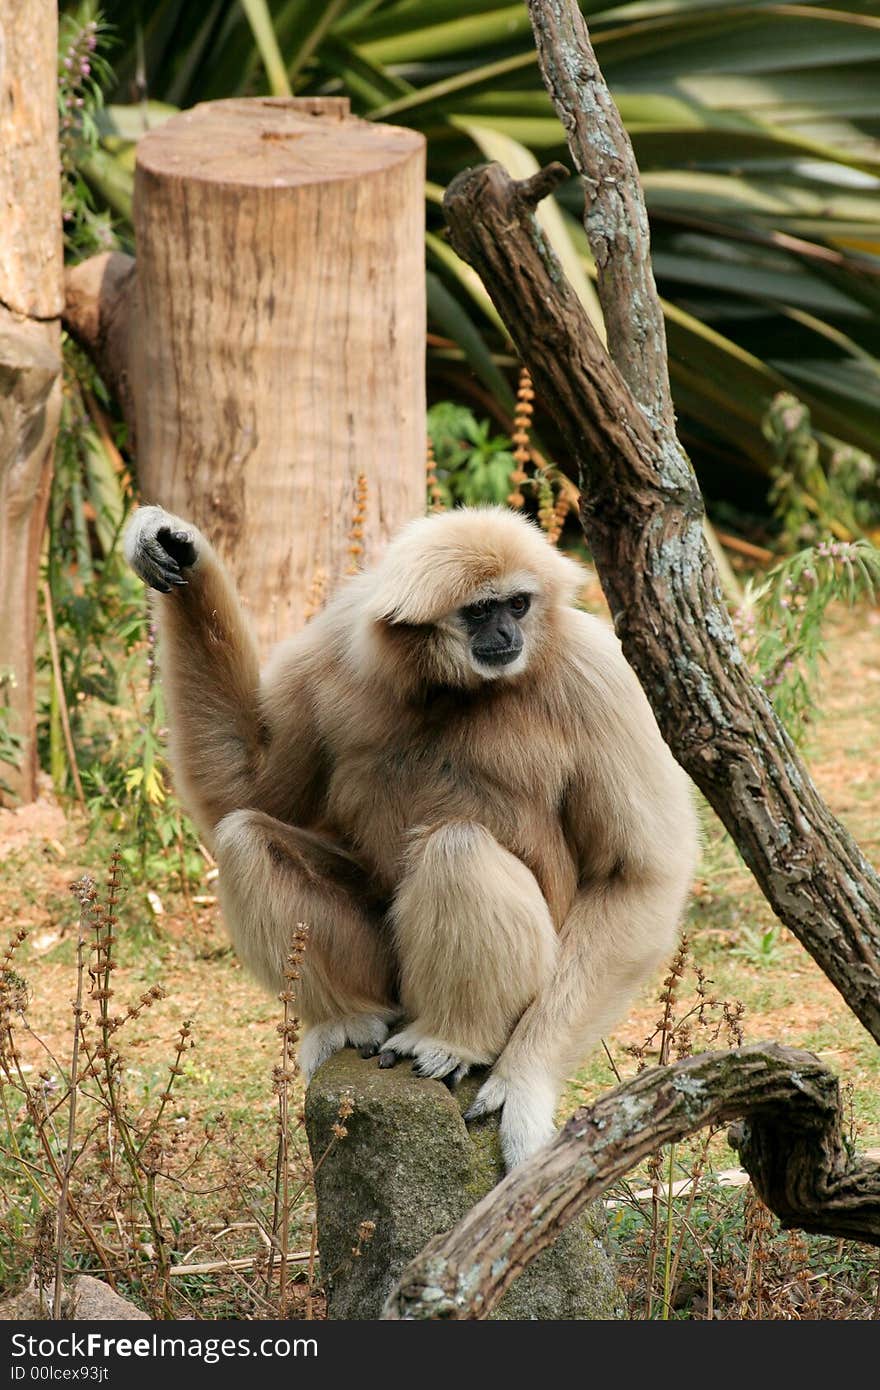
x: 222, y: 1115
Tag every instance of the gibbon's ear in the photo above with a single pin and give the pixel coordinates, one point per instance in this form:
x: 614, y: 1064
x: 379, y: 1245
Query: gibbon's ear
x: 437, y: 564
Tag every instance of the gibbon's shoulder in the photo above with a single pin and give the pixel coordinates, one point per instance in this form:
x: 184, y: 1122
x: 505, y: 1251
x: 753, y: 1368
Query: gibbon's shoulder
x: 590, y: 645
x: 596, y: 678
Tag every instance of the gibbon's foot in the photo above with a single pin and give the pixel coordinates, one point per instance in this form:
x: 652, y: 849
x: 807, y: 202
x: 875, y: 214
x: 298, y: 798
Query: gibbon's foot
x: 321, y: 1040
x: 526, y: 1106
x: 158, y: 549
x: 432, y: 1058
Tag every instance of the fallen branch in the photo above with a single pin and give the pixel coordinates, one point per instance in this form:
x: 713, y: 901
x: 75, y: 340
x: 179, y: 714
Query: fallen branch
x: 791, y: 1144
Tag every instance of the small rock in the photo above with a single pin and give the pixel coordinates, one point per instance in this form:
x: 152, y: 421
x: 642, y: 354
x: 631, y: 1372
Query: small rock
x: 92, y: 1300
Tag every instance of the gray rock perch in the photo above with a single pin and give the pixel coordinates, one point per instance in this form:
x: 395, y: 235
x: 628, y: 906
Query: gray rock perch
x: 410, y: 1165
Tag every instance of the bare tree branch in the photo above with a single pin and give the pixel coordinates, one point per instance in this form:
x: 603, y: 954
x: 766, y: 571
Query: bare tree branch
x: 641, y: 511
x: 615, y: 217
x: 791, y: 1144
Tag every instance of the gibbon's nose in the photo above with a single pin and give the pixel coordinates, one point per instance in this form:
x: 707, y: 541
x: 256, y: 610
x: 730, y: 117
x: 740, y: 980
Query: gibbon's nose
x: 500, y: 642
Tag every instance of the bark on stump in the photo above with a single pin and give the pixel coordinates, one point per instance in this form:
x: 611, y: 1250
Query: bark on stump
x: 30, y: 344
x: 409, y: 1164
x: 277, y: 337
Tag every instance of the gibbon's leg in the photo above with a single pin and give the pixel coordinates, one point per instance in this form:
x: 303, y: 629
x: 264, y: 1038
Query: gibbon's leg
x: 617, y: 933
x: 210, y: 673
x: 274, y: 876
x: 475, y: 943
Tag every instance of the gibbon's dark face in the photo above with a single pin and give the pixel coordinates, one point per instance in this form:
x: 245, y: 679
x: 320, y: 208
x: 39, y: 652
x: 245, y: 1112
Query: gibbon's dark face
x: 495, y: 634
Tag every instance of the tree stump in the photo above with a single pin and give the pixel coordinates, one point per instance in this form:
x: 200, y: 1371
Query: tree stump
x: 409, y: 1164
x: 30, y: 351
x: 277, y: 339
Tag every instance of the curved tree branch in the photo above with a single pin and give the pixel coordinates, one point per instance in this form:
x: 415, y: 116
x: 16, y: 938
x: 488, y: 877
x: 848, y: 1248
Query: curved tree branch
x: 791, y: 1144
x: 641, y: 511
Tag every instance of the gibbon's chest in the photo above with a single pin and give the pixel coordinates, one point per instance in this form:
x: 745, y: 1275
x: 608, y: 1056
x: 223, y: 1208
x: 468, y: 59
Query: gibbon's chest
x: 446, y: 761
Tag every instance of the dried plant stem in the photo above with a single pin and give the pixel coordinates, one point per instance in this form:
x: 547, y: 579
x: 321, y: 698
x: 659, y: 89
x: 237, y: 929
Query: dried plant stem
x: 667, y: 1263
x: 144, y: 1183
x: 242, y: 1265
x: 435, y: 492
x: 175, y: 1070
x: 522, y: 423
x: 85, y: 904
x: 696, y: 1175
x: 59, y: 690
x: 356, y: 533
x: 313, y: 1250
x: 282, y: 1077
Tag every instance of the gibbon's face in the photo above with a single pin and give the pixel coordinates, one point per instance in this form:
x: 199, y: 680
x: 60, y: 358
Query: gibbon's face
x: 496, y: 631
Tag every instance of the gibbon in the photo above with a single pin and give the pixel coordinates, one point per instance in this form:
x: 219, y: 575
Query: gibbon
x: 453, y: 778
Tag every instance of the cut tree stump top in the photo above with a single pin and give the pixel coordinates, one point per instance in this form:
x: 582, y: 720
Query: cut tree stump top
x: 279, y: 142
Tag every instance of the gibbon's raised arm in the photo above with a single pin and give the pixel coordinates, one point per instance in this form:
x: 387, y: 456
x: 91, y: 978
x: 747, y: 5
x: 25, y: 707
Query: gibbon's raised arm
x: 218, y: 737
x: 631, y: 822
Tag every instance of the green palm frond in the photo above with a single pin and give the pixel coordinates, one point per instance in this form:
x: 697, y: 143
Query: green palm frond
x: 755, y: 126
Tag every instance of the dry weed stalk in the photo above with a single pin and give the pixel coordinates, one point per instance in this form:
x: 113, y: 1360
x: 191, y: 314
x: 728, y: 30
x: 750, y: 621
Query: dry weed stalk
x: 677, y: 1034
x: 282, y: 1076
x: 435, y: 492
x: 356, y: 531
x: 522, y: 424
x: 86, y: 894
x: 317, y: 595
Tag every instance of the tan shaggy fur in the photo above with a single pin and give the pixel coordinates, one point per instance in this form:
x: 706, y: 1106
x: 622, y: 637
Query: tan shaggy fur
x: 500, y: 856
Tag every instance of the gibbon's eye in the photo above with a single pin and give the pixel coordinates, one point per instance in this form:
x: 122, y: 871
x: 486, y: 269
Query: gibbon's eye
x: 520, y: 604
x: 475, y: 611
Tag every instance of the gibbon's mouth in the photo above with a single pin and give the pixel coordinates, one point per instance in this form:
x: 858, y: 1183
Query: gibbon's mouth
x: 504, y: 657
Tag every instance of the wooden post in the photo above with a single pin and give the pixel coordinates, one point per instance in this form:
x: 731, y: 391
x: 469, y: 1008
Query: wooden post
x: 30, y: 341
x: 277, y: 344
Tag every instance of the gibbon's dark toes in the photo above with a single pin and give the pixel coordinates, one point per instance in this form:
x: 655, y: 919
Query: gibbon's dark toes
x: 368, y: 1050
x: 388, y: 1058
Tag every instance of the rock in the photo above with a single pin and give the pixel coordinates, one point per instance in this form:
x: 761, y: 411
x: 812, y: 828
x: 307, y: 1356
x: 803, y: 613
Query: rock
x: 409, y: 1164
x: 87, y: 1300
x: 91, y: 1300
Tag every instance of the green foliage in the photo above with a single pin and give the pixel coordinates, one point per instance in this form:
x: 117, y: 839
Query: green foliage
x: 83, y: 70
x: 781, y: 620
x: 755, y: 130
x: 11, y: 743
x: 473, y: 465
x: 817, y: 486
x: 759, y: 946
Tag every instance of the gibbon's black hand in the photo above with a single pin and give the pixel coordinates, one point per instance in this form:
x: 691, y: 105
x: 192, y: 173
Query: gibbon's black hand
x: 162, y: 554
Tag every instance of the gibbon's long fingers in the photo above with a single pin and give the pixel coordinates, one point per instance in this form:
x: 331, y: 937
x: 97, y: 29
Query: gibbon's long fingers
x: 158, y: 568
x: 432, y: 1058
x: 440, y: 1065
